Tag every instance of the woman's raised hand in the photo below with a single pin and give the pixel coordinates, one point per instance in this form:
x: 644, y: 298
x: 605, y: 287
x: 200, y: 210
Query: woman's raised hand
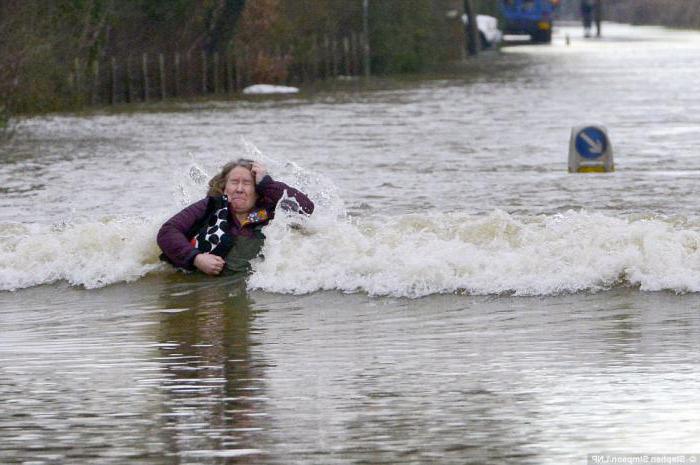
x: 259, y: 171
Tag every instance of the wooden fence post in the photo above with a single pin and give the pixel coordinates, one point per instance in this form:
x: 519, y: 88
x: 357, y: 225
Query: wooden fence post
x: 161, y: 69
x: 215, y: 73
x: 204, y: 72
x: 128, y: 90
x: 277, y: 57
x: 346, y: 55
x: 78, y: 80
x: 144, y: 70
x: 229, y: 70
x: 176, y: 81
x: 95, y: 81
x: 314, y: 58
x: 189, y: 75
x: 245, y: 67
x: 334, y: 54
x: 237, y: 66
x: 355, y: 49
x: 326, y: 57
x: 113, y: 99
x: 302, y: 58
x: 295, y: 67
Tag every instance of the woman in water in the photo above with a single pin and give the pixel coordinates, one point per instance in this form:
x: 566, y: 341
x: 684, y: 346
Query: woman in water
x: 222, y: 232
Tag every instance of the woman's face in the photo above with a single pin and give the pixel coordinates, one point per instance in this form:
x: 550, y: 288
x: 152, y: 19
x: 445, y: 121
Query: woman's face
x: 240, y: 189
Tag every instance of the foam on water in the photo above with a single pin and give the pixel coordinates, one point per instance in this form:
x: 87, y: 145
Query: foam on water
x: 89, y: 254
x: 418, y: 255
x: 407, y: 255
x: 410, y: 255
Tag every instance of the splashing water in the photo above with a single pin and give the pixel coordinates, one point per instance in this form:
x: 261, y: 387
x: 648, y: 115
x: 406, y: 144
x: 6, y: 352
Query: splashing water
x: 97, y: 252
x: 87, y: 254
x: 419, y: 255
x: 407, y: 255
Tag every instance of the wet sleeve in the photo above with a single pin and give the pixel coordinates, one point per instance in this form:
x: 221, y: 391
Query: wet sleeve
x: 271, y: 192
x: 172, y: 236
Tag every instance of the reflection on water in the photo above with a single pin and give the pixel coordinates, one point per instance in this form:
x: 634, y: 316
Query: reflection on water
x: 186, y: 370
x: 120, y: 375
x: 215, y: 393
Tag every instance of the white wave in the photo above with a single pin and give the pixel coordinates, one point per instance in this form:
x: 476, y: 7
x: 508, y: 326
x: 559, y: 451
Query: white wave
x: 404, y: 256
x: 418, y: 255
x: 91, y: 254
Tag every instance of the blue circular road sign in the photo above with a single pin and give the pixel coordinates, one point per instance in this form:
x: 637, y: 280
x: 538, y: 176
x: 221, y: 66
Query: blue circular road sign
x: 591, y: 142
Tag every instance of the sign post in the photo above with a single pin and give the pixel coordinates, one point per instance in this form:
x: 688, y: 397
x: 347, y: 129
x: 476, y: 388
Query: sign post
x: 590, y: 150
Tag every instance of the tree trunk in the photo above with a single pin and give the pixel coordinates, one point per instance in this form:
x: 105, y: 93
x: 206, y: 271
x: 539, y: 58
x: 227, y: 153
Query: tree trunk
x: 471, y: 30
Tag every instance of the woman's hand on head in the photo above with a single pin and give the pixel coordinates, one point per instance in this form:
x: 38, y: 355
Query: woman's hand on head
x: 259, y: 171
x: 209, y: 264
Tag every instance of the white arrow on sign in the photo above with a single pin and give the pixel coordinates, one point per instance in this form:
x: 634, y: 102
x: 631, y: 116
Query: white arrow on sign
x: 594, y: 145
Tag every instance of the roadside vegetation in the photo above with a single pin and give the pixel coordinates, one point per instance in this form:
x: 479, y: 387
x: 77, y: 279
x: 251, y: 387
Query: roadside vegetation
x: 63, y: 55
x: 53, y: 52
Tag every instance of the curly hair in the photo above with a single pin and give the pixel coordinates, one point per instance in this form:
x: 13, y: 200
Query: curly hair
x: 218, y: 182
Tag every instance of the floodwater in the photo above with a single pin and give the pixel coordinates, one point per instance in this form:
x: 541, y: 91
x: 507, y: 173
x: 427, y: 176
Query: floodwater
x: 457, y: 297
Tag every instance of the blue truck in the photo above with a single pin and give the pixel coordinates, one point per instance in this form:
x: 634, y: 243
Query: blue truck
x: 532, y: 17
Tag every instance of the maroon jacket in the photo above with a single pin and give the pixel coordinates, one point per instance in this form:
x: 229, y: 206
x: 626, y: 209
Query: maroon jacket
x: 173, y: 237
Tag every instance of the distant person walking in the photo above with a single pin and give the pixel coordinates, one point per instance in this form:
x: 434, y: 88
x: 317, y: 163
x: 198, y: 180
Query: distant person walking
x: 587, y: 16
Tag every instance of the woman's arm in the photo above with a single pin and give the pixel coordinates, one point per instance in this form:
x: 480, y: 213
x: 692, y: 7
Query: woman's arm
x: 172, y: 236
x: 271, y: 191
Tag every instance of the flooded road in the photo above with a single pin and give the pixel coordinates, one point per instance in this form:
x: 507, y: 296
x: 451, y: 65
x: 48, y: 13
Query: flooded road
x: 458, y: 297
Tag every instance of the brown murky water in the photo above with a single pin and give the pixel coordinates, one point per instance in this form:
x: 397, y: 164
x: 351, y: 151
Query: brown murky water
x: 477, y: 304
